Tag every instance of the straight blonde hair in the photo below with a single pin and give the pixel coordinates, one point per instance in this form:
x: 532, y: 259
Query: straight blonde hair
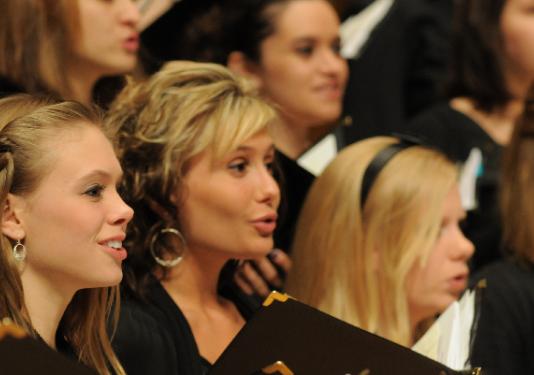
x: 353, y: 263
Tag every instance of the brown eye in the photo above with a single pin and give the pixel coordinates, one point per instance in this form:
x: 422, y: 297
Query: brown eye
x: 239, y: 166
x: 94, y: 191
x: 305, y: 51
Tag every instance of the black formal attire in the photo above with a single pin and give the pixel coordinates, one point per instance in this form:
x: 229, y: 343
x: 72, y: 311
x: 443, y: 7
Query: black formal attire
x: 456, y: 135
x: 154, y: 337
x: 504, y: 341
x: 400, y: 69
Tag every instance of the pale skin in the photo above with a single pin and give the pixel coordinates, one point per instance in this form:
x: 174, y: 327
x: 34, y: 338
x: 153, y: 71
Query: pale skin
x: 106, y: 45
x: 300, y: 70
x: 434, y: 285
x: 67, y: 240
x: 246, y: 191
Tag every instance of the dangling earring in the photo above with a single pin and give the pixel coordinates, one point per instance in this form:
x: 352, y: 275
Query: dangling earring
x: 164, y: 262
x: 19, y: 251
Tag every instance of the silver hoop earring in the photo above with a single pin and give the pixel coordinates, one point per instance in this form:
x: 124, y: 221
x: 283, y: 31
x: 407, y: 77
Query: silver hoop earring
x: 19, y: 251
x: 170, y: 262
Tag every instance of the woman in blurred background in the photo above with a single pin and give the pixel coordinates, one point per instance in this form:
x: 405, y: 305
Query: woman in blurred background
x: 64, y: 47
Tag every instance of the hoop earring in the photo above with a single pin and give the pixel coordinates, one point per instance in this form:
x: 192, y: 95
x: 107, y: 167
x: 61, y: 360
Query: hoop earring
x: 19, y: 251
x: 164, y: 262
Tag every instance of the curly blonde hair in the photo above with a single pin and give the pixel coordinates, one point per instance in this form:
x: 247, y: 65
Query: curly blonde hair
x: 160, y: 125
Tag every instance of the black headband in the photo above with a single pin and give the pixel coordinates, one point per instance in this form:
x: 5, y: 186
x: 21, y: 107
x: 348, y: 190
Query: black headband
x: 380, y: 160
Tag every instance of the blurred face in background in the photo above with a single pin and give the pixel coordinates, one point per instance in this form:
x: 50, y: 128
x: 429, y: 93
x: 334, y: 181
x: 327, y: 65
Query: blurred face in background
x: 300, y: 68
x: 108, y: 39
x: 517, y: 29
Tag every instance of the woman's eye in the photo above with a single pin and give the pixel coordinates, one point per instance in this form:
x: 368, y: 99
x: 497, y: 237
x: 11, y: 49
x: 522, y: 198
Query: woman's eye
x: 305, y: 50
x: 239, y: 166
x: 336, y: 48
x: 270, y: 166
x: 94, y: 191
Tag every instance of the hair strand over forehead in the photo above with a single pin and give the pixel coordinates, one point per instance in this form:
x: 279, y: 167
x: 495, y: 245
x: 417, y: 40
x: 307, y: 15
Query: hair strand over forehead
x: 161, y: 124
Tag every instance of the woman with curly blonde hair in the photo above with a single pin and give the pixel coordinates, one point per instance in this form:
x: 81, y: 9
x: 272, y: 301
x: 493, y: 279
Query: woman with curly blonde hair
x: 197, y: 155
x: 62, y: 223
x: 378, y: 243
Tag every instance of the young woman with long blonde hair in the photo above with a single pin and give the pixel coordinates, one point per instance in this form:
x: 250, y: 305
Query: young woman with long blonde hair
x: 378, y: 243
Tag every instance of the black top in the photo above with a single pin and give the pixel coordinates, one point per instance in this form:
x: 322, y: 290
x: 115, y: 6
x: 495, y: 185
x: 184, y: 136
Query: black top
x: 28, y: 356
x: 154, y: 337
x: 400, y: 70
x: 294, y: 182
x: 456, y: 134
x: 504, y: 342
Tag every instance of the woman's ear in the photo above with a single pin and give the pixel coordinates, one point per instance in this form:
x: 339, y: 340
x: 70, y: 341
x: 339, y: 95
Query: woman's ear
x: 238, y: 63
x: 11, y: 223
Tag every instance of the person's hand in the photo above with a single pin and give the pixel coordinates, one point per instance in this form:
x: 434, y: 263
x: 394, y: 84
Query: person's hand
x: 262, y: 276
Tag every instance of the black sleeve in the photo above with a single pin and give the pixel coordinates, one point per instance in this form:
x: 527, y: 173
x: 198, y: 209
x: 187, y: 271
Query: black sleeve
x: 142, y: 343
x: 502, y: 338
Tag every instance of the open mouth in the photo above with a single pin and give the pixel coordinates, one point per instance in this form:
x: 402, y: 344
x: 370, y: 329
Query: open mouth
x: 266, y: 225
x: 115, y: 249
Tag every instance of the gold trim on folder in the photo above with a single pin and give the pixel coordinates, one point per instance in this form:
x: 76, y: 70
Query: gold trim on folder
x: 8, y: 328
x: 278, y: 366
x: 275, y: 296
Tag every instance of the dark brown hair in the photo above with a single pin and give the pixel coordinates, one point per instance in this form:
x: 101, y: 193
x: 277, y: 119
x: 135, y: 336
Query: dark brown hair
x: 517, y: 187
x: 477, y: 48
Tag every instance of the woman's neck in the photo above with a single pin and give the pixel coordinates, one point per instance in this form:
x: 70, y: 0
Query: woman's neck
x: 46, y: 304
x: 192, y: 285
x: 195, y: 278
x: 293, y: 138
x: 81, y: 82
x: 499, y: 123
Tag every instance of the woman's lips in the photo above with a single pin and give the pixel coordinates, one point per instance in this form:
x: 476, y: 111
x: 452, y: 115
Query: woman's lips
x: 264, y: 228
x: 458, y: 284
x: 331, y: 91
x: 265, y: 225
x: 113, y: 246
x: 118, y: 254
x: 131, y: 44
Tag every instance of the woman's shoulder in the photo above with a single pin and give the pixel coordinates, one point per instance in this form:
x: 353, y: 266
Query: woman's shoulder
x: 509, y: 284
x: 507, y: 271
x: 441, y: 114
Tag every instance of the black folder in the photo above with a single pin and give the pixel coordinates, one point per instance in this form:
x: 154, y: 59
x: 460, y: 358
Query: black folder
x: 288, y: 337
x: 22, y: 355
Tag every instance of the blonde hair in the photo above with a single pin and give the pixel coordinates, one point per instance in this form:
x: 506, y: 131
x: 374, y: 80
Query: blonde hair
x: 353, y: 263
x: 27, y: 126
x: 35, y: 41
x: 161, y: 124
